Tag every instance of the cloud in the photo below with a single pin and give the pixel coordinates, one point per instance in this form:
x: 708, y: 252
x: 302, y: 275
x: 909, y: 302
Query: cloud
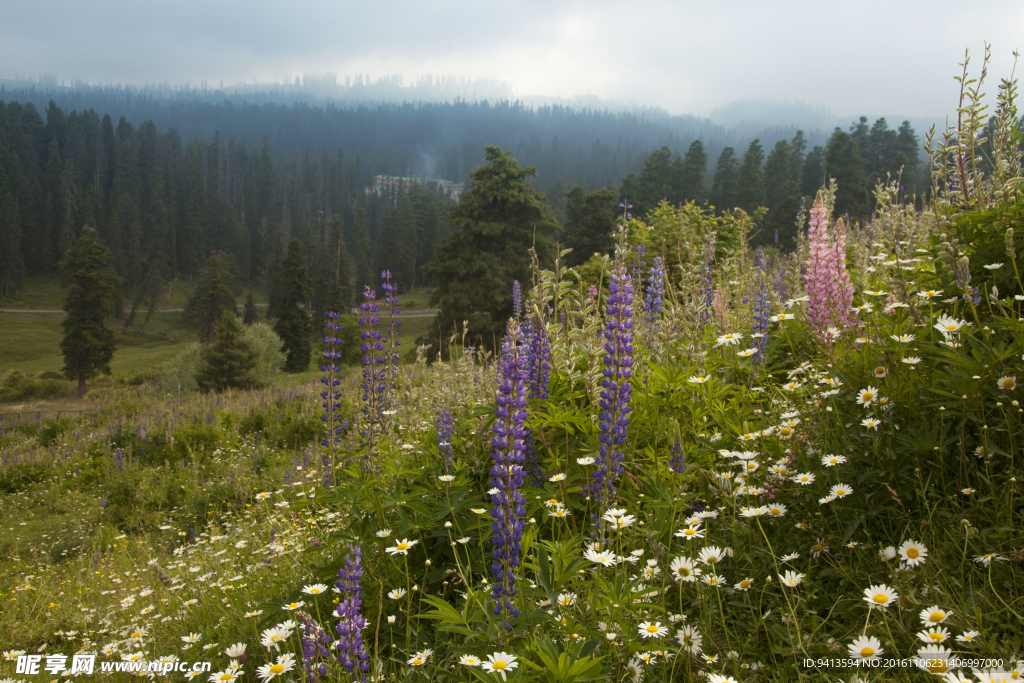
x: 874, y: 56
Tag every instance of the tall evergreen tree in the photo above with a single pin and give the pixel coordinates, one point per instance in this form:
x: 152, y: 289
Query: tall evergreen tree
x: 906, y: 158
x: 250, y: 314
x: 214, y: 294
x: 690, y: 180
x: 723, y: 186
x: 750, y: 183
x: 812, y: 177
x: 590, y: 224
x: 655, y: 181
x: 342, y: 264
x: 12, y: 267
x: 87, y: 272
x: 229, y: 361
x: 293, y: 324
x: 363, y: 250
x: 844, y: 163
x: 500, y: 219
x: 782, y: 196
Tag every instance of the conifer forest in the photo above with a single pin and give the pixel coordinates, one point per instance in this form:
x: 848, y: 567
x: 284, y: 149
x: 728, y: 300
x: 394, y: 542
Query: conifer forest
x: 312, y: 389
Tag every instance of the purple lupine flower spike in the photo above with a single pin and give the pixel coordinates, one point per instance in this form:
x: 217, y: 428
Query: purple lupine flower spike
x: 538, y: 349
x: 616, y: 391
x: 391, y: 375
x: 655, y: 290
x: 678, y: 460
x: 351, y: 650
x: 331, y: 395
x: 445, y: 429
x: 314, y: 647
x: 761, y: 308
x: 375, y: 372
x: 517, y: 299
x: 507, y: 471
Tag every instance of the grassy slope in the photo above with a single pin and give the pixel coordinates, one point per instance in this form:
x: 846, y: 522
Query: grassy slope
x: 30, y: 342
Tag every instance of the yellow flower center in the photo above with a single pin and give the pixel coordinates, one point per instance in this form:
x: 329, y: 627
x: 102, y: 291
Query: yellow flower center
x: 950, y: 327
x: 776, y: 511
x: 785, y: 431
x: 912, y: 553
x: 867, y: 396
x: 881, y: 598
x: 867, y: 651
x: 226, y: 677
x: 841, y: 492
x: 936, y: 617
x: 499, y: 665
x: 652, y: 629
x: 937, y: 666
x: 403, y: 546
x: 276, y: 669
x: 817, y: 548
x: 683, y: 571
x: 417, y: 661
x: 936, y: 636
x: 744, y: 584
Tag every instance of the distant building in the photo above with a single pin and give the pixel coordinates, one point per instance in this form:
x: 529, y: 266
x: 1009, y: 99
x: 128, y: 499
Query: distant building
x: 454, y: 190
x: 391, y: 183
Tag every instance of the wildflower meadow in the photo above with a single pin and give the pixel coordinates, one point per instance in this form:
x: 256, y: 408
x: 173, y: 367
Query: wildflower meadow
x: 689, y: 461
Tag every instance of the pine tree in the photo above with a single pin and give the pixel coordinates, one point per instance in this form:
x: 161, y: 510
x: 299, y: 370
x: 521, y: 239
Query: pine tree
x: 342, y: 264
x: 500, y: 219
x: 590, y: 224
x: 88, y: 345
x: 844, y: 163
x: 691, y: 177
x: 750, y: 183
x: 293, y: 324
x: 655, y: 182
x: 229, y: 361
x: 214, y: 294
x: 363, y: 252
x: 250, y: 315
x: 12, y: 267
x: 812, y: 177
x: 782, y: 197
x: 723, y: 187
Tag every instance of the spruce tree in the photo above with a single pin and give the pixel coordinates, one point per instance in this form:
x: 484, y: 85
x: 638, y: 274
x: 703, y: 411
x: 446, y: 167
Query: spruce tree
x: 293, y: 324
x: 229, y: 361
x: 723, y: 187
x: 88, y: 344
x: 214, y: 294
x: 691, y: 174
x: 750, y: 183
x: 363, y: 252
x: 844, y: 163
x: 590, y: 224
x: 812, y: 177
x: 500, y: 219
x: 250, y: 315
x: 655, y: 182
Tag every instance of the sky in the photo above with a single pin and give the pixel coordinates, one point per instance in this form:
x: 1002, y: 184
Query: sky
x: 895, y: 57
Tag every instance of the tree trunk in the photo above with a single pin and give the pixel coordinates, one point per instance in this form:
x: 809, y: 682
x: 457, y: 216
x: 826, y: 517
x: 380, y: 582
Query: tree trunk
x: 81, y: 386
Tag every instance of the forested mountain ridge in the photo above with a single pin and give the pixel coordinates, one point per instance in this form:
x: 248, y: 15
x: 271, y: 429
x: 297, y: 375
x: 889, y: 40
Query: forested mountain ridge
x: 244, y: 179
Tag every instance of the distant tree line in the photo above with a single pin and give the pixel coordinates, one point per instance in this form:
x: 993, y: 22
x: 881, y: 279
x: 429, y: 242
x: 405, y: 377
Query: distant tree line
x: 163, y: 206
x: 858, y: 159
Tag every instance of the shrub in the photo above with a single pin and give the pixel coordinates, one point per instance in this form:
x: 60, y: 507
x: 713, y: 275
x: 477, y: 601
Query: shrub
x: 17, y: 386
x: 183, y: 369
